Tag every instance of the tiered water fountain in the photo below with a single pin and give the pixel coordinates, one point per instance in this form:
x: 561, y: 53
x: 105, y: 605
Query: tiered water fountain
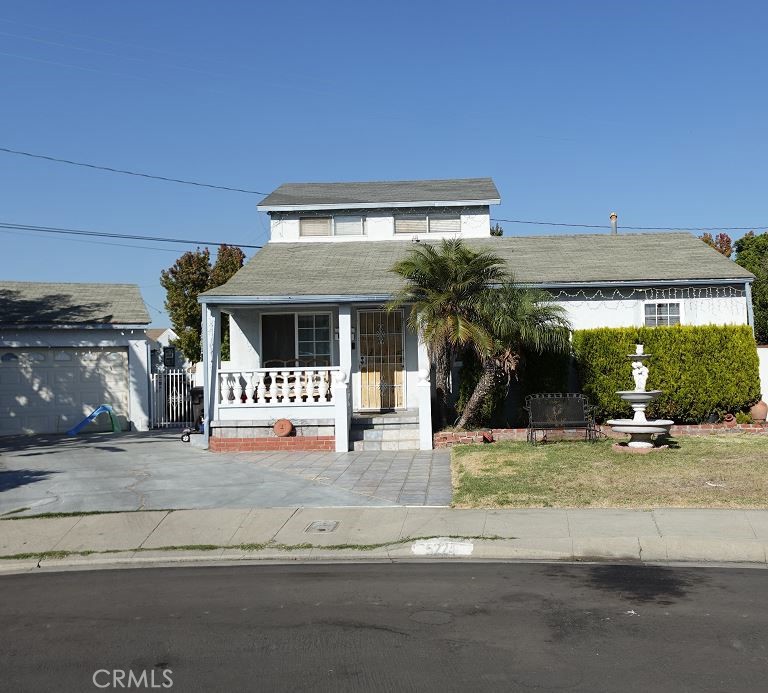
x: 641, y: 431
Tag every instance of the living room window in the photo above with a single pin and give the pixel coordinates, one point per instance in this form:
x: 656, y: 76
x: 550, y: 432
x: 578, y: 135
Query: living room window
x: 662, y: 314
x: 295, y: 339
x: 338, y: 225
x: 314, y: 341
x: 428, y: 223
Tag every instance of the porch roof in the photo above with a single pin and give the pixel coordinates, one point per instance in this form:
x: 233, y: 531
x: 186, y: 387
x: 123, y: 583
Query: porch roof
x: 362, y: 268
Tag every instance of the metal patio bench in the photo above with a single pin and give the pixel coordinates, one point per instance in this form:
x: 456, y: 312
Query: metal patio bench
x: 559, y: 411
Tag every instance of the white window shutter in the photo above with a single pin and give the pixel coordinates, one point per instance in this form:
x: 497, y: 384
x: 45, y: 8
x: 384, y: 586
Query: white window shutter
x: 315, y: 226
x: 444, y: 223
x: 346, y: 225
x: 411, y: 224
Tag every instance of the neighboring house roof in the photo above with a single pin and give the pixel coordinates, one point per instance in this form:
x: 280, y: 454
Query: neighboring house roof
x: 39, y: 303
x: 155, y: 333
x: 456, y: 191
x: 362, y: 268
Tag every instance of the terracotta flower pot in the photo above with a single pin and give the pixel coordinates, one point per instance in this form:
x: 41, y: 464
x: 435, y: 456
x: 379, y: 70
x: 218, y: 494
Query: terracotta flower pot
x: 729, y: 420
x: 759, y: 411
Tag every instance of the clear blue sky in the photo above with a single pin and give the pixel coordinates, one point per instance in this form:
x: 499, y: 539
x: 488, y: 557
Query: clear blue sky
x: 658, y: 110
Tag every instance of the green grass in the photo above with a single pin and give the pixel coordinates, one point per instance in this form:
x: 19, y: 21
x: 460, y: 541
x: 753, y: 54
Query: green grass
x: 729, y: 471
x: 13, y: 514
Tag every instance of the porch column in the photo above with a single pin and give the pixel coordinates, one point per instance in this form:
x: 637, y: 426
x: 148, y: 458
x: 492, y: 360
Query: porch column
x: 342, y: 392
x: 424, y: 394
x: 211, y: 338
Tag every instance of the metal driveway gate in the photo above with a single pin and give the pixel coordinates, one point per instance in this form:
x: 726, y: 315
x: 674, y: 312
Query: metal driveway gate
x: 172, y: 399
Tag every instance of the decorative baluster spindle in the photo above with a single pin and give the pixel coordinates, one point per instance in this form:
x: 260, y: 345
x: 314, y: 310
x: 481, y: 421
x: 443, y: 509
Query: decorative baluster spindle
x: 286, y: 390
x: 249, y: 387
x: 261, y: 389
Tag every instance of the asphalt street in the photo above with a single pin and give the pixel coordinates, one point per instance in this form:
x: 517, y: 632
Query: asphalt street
x: 394, y: 627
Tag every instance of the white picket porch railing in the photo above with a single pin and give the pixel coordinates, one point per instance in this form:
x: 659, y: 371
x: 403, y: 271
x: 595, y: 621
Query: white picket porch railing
x: 269, y: 387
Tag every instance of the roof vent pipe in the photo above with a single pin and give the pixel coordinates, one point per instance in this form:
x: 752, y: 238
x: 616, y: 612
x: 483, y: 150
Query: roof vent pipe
x: 614, y: 224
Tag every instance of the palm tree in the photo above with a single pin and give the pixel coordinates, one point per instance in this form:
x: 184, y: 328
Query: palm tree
x: 518, y: 320
x: 443, y: 284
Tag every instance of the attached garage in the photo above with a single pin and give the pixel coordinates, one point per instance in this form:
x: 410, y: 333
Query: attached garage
x: 86, y: 347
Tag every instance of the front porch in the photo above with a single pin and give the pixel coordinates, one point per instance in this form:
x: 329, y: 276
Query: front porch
x: 325, y: 368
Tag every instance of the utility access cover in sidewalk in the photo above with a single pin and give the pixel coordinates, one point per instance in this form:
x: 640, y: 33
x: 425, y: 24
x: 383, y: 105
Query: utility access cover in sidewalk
x: 322, y: 527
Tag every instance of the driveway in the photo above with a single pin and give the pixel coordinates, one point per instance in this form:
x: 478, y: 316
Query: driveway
x: 154, y: 471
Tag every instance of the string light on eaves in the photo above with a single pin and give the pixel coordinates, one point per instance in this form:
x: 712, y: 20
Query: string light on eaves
x: 756, y: 227
x: 650, y: 294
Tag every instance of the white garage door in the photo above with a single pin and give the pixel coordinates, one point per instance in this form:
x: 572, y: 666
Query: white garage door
x: 51, y: 390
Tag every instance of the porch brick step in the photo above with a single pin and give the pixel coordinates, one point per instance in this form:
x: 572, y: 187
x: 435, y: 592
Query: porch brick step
x: 410, y: 416
x: 384, y: 434
x: 376, y: 445
x: 385, y: 427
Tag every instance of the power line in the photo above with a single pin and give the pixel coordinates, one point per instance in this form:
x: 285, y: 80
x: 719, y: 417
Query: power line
x: 7, y: 150
x: 632, y: 228
x: 166, y: 179
x: 92, y: 242
x: 105, y: 234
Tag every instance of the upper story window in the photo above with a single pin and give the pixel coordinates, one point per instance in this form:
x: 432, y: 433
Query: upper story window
x: 427, y: 223
x: 660, y: 314
x: 339, y: 225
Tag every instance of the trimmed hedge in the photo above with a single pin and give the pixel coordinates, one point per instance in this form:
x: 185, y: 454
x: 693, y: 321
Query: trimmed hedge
x: 702, y: 370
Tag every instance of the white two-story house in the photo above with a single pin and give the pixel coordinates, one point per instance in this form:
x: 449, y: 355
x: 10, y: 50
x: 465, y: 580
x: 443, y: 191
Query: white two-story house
x: 310, y: 340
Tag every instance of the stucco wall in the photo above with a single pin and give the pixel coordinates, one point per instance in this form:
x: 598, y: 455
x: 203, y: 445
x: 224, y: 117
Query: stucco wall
x: 762, y: 353
x: 590, y: 313
x: 475, y: 223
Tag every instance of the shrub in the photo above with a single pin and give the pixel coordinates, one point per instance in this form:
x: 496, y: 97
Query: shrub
x: 702, y: 370
x: 545, y: 372
x: 492, y: 411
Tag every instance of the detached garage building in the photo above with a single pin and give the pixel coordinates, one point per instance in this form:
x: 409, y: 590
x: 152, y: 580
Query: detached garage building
x: 65, y: 349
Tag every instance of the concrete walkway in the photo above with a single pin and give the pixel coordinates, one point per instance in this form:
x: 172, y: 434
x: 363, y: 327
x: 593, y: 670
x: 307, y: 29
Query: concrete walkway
x: 156, y: 471
x: 393, y: 533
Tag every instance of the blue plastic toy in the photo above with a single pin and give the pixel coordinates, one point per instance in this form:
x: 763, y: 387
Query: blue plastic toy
x: 103, y: 409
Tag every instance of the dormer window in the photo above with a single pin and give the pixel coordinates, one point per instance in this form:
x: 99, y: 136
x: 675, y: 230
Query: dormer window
x: 427, y: 223
x: 338, y: 225
x: 316, y: 226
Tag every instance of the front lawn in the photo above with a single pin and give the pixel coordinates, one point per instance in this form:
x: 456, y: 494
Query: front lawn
x: 729, y: 471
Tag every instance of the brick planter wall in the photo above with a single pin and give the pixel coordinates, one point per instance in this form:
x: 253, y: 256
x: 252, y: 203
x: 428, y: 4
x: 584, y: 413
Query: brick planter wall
x: 273, y: 443
x: 447, y: 439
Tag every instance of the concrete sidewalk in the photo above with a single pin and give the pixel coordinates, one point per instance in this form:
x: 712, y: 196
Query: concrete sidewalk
x: 391, y: 533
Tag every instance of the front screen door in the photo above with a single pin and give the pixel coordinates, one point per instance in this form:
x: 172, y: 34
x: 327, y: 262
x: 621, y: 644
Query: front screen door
x: 382, y: 359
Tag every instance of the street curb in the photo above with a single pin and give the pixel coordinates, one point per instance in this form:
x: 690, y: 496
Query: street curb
x: 637, y: 550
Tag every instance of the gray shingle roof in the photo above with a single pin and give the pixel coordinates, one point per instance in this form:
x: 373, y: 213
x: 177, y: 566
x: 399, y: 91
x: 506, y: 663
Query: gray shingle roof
x: 38, y: 303
x: 381, y: 192
x: 362, y: 267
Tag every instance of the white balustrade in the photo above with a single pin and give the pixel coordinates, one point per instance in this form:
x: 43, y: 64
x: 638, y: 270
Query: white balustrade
x: 300, y: 386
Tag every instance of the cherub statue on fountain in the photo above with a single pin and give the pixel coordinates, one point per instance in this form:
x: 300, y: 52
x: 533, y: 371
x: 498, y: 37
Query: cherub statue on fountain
x: 640, y: 374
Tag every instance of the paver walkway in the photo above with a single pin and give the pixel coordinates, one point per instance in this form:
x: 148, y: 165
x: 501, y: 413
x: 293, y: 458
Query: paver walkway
x: 405, y: 478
